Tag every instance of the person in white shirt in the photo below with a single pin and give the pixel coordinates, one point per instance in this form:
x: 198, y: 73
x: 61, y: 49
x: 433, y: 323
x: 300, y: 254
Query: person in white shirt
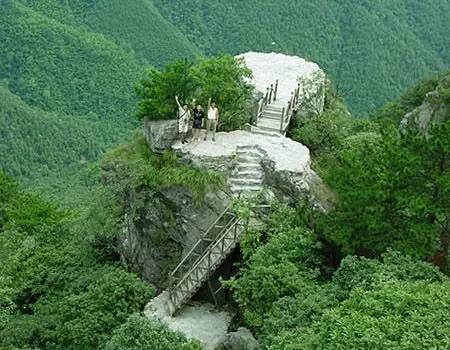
x: 213, y: 119
x: 184, y: 116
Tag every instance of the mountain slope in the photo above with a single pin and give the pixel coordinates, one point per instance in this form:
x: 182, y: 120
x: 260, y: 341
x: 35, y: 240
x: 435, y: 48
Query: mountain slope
x: 372, y: 49
x: 57, y: 67
x: 35, y: 143
x: 134, y: 25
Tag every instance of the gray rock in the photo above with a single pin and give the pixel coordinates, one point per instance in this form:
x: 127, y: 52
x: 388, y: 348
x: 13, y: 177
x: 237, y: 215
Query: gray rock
x: 285, y: 164
x: 161, y: 227
x: 430, y: 112
x: 160, y: 134
x: 242, y: 339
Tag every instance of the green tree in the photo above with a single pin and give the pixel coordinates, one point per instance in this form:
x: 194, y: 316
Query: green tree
x: 398, y: 315
x: 140, y: 333
x: 222, y: 78
x: 158, y: 90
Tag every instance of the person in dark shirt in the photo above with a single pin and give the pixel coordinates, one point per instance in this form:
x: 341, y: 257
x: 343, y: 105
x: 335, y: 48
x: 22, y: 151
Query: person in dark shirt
x: 199, y: 114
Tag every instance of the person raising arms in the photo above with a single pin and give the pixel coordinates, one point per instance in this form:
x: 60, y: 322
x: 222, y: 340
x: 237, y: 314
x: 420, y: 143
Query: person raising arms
x: 184, y: 115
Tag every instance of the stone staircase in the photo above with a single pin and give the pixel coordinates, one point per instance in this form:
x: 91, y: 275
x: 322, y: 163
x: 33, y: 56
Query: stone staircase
x: 248, y: 175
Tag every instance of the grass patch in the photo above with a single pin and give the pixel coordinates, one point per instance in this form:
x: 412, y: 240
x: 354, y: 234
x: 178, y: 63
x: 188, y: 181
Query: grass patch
x: 135, y: 164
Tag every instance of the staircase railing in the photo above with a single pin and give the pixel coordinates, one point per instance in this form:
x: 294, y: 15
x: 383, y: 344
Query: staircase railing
x: 288, y: 111
x: 269, y: 97
x: 203, y: 258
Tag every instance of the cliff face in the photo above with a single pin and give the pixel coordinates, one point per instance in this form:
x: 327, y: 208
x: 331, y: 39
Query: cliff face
x: 434, y: 110
x: 161, y: 227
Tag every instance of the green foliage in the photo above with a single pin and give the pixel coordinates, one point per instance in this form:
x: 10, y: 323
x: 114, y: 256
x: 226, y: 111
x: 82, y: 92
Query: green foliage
x: 64, y: 69
x: 56, y: 291
x: 140, y: 333
x: 158, y: 90
x: 135, y: 165
x: 221, y: 78
x: 280, y: 267
x: 359, y: 272
x: 35, y: 143
x: 399, y: 315
x: 154, y: 41
x: 325, y: 134
x: 391, y: 43
x: 224, y: 79
x: 393, y: 112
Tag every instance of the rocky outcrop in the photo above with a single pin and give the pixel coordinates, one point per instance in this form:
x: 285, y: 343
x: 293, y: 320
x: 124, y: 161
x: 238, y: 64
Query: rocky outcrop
x: 432, y: 111
x: 242, y: 339
x: 160, y: 134
x: 291, y: 72
x: 161, y: 227
x: 284, y: 167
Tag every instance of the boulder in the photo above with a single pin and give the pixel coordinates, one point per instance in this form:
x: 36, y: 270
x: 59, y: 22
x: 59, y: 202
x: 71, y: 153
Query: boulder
x: 160, y: 134
x: 242, y: 339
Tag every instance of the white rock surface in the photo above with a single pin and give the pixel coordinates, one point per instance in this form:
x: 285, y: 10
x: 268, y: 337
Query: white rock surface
x: 269, y: 67
x: 201, y: 322
x: 286, y: 154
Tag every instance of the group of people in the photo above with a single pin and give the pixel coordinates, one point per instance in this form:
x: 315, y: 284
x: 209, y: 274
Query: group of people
x: 196, y: 120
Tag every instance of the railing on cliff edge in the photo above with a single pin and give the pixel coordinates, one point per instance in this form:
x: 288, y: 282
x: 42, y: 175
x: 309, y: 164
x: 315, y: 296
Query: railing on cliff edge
x: 288, y: 111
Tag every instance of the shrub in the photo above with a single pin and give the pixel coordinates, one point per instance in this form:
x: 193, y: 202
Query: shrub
x: 140, y: 333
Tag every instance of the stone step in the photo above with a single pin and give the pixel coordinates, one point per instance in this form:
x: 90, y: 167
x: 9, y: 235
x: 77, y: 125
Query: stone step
x: 258, y: 131
x: 271, y: 130
x: 270, y: 116
x: 248, y: 160
x: 245, y: 182
x: 247, y: 174
x: 269, y: 123
x: 245, y: 188
x: 252, y: 152
x: 272, y: 107
x: 248, y: 167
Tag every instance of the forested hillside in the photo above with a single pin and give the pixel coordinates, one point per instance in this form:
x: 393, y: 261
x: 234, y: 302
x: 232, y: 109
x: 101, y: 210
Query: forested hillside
x: 134, y: 25
x: 371, y: 49
x: 35, y: 143
x: 68, y: 73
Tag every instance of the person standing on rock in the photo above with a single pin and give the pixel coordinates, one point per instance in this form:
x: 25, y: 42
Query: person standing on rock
x: 213, y: 119
x: 184, y: 115
x: 199, y: 114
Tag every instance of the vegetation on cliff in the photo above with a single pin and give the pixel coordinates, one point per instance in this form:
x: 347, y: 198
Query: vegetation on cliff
x: 223, y: 79
x: 365, y: 274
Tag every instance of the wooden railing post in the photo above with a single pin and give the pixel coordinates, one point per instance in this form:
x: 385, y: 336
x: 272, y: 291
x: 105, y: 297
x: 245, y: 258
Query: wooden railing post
x: 266, y: 98
x: 271, y: 94
x: 282, y: 120
x: 275, y: 94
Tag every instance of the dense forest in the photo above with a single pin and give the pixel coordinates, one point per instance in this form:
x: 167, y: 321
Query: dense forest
x: 367, y: 47
x: 77, y: 76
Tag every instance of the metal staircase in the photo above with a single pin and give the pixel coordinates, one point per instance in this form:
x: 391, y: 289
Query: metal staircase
x: 203, y: 259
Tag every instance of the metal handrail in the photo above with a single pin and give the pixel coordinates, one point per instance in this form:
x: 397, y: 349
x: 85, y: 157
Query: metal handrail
x: 208, y: 250
x: 200, y: 255
x: 287, y: 116
x: 200, y: 241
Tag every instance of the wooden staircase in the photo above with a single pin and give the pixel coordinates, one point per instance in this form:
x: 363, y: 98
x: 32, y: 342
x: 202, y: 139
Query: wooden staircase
x: 203, y: 259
